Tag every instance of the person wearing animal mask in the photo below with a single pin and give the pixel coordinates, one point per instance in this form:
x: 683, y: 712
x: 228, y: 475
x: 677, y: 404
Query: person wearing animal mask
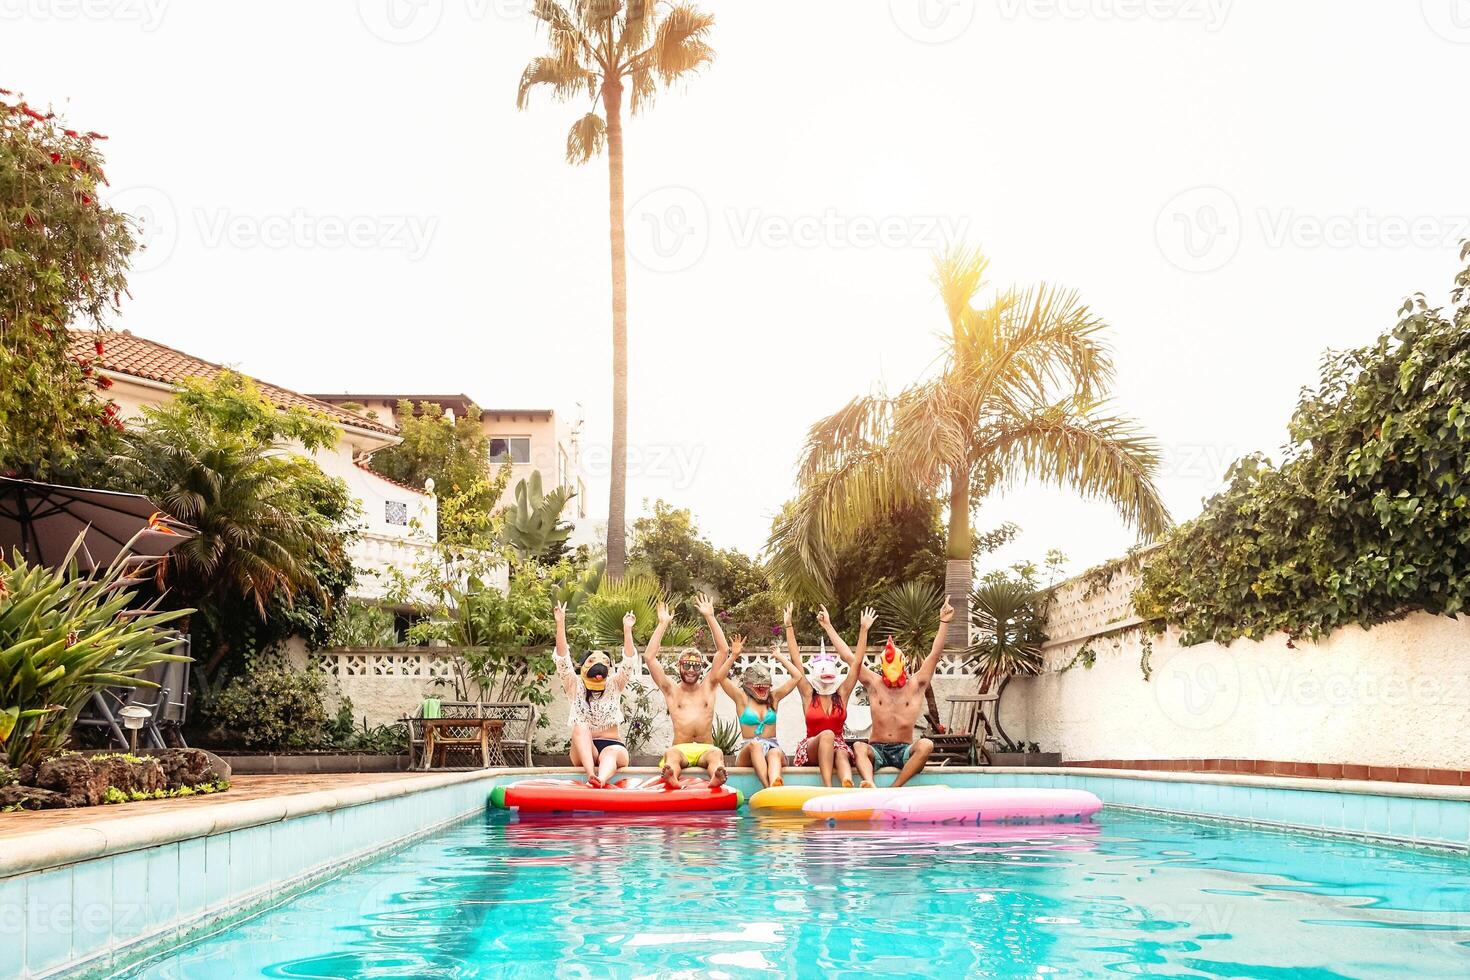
x: 897, y: 699
x: 594, y: 693
x: 756, y: 701
x: 691, y: 699
x: 825, y: 686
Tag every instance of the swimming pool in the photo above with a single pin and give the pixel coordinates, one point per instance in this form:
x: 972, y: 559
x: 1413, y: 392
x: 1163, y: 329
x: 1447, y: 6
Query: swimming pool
x: 742, y: 895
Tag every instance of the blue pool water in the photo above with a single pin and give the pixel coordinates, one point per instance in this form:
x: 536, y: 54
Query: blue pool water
x: 744, y: 896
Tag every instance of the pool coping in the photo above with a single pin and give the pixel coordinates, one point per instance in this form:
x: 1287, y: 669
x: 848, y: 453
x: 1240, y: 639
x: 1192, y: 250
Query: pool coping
x: 61, y: 846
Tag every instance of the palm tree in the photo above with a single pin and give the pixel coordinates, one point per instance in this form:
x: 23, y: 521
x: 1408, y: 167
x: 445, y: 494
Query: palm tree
x: 601, y: 49
x: 1019, y: 396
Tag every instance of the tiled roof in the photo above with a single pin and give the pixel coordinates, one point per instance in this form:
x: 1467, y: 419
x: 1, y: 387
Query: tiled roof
x: 125, y: 353
x: 388, y: 479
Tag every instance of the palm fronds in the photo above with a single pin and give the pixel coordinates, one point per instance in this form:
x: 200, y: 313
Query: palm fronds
x: 910, y: 611
x: 1007, y: 617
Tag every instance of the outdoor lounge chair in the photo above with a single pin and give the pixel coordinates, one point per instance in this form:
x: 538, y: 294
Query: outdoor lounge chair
x: 969, y: 726
x: 168, y: 702
x: 473, y: 745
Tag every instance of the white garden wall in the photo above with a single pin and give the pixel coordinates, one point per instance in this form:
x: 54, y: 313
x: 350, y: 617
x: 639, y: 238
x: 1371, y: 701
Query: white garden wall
x: 1397, y: 695
x: 387, y: 685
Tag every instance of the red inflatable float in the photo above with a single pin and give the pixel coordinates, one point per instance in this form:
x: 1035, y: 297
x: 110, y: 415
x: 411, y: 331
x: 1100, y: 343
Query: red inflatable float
x: 651, y: 795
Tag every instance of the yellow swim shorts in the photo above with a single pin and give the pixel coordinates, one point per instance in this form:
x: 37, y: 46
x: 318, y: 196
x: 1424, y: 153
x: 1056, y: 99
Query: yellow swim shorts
x: 692, y: 751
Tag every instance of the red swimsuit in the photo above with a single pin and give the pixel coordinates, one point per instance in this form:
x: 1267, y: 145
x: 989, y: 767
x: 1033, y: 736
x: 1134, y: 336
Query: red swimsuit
x: 819, y: 721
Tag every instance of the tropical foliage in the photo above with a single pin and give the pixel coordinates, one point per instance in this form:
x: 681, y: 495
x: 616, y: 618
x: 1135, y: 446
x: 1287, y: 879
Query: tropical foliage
x: 270, y: 556
x: 533, y: 525
x: 454, y: 453
x: 62, y: 638
x: 272, y: 706
x: 1020, y: 395
x: 668, y: 545
x: 361, y: 624
x: 1007, y: 616
x: 602, y: 50
x: 1366, y: 517
x: 599, y: 620
x: 63, y: 258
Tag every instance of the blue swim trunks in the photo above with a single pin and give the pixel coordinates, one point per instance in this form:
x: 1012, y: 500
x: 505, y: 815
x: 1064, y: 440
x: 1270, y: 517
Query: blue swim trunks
x: 895, y: 754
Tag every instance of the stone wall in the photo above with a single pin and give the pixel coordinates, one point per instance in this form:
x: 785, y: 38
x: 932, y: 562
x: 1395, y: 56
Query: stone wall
x: 1395, y: 696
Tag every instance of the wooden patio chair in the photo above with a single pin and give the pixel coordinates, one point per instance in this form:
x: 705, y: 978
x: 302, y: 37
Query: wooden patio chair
x: 493, y: 734
x: 969, y: 726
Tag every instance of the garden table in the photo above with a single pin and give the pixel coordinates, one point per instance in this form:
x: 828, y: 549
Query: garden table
x: 442, y: 735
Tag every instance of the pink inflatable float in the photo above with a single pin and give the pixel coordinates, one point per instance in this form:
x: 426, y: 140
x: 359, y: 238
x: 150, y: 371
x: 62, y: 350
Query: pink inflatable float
x: 955, y: 805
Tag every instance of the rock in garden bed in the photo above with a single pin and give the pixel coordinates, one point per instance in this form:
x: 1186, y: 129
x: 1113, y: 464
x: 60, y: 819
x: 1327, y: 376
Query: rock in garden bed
x: 73, y: 779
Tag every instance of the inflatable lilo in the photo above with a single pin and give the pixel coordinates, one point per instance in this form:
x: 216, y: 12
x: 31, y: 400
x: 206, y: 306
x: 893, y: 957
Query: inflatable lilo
x: 795, y: 797
x: 651, y: 795
x: 954, y: 805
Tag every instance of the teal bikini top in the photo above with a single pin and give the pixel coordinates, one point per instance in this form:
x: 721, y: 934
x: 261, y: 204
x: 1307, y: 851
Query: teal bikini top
x: 749, y: 717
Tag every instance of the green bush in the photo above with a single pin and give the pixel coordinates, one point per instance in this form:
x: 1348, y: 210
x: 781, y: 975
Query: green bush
x: 273, y: 706
x: 1367, y: 518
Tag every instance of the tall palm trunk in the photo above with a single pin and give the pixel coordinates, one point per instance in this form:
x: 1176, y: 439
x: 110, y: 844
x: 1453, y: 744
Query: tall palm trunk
x: 612, y: 101
x: 959, y: 571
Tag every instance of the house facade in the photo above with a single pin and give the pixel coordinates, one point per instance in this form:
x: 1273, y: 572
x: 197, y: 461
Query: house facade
x: 533, y: 440
x: 398, y: 521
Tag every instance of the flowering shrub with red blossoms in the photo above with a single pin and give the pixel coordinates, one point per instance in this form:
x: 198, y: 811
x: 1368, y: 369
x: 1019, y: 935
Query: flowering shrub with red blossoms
x: 63, y: 263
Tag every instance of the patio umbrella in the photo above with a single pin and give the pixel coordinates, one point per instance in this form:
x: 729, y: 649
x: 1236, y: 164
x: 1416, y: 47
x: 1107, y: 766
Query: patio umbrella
x: 44, y: 520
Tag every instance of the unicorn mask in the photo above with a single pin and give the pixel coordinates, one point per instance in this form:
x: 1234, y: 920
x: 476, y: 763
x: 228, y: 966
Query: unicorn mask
x: 825, y: 673
x: 895, y: 672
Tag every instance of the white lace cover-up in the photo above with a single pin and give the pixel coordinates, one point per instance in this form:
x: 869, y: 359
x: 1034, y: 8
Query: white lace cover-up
x: 598, y: 713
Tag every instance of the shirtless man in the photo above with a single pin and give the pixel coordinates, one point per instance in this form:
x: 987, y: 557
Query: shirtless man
x: 896, y: 700
x: 691, y: 700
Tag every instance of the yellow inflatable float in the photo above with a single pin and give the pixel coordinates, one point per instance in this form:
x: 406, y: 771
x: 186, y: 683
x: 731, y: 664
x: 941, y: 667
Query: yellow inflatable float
x: 795, y: 797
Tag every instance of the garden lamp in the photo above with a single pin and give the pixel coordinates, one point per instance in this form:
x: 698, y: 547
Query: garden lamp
x: 133, y: 718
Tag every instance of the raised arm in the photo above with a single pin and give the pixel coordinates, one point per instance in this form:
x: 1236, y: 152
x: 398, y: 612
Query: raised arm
x: 630, y: 653
x: 650, y: 652
x: 563, y: 658
x: 792, y: 663
x: 865, y: 622
x: 724, y: 661
x: 931, y: 662
x: 706, y: 608
x: 843, y: 650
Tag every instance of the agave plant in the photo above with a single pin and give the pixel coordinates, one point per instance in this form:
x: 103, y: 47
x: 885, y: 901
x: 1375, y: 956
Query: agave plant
x: 727, y: 736
x: 602, y: 613
x: 62, y: 639
x: 532, y: 526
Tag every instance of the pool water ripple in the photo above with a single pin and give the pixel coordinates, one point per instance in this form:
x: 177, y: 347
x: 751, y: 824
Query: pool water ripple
x: 742, y: 896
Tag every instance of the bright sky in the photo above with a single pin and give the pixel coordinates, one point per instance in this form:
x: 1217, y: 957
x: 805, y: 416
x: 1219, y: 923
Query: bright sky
x: 343, y: 196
